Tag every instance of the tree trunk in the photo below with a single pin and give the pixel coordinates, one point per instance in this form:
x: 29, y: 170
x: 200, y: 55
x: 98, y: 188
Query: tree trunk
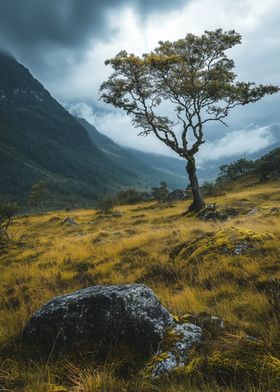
x: 198, y: 202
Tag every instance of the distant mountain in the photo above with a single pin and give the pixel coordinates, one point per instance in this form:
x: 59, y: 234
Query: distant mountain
x: 151, y: 168
x: 164, y: 164
x: 169, y: 168
x: 39, y: 139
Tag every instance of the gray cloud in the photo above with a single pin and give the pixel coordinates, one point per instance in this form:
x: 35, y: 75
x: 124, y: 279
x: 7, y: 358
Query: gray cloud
x: 50, y: 36
x: 31, y: 23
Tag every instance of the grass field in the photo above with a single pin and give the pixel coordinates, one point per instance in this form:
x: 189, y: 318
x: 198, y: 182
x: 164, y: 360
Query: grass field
x: 228, y: 269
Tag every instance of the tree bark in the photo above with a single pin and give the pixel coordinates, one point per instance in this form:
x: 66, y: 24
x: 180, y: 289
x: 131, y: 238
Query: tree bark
x: 198, y: 202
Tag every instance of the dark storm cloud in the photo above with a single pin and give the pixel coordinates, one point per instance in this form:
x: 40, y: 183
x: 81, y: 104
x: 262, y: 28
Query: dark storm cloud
x: 64, y: 44
x: 30, y: 23
x: 49, y: 34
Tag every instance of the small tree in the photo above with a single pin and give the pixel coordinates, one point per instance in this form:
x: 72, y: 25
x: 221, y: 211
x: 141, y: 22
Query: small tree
x: 192, y: 77
x: 131, y: 196
x: 7, y: 211
x: 37, y: 194
x: 235, y: 169
x: 106, y: 204
x: 210, y: 189
x: 161, y: 192
x: 268, y: 165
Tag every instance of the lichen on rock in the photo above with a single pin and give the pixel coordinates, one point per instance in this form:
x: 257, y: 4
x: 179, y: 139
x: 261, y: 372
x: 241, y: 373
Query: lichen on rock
x: 229, y: 240
x: 184, y: 337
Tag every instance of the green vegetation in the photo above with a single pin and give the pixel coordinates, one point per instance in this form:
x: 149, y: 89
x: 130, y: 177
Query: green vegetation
x: 132, y: 196
x: 106, y: 204
x: 160, y: 193
x: 41, y: 141
x: 228, y: 269
x: 265, y: 168
x: 37, y: 194
x: 7, y: 211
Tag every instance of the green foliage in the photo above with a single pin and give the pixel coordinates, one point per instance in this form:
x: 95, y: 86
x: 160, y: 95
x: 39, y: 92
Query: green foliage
x: 160, y: 193
x: 131, y: 196
x: 37, y: 194
x: 106, y: 204
x: 235, y: 170
x: 268, y: 166
x: 7, y: 211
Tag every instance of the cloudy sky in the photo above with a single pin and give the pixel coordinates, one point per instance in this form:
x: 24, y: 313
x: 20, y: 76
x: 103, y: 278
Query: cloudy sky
x: 64, y: 43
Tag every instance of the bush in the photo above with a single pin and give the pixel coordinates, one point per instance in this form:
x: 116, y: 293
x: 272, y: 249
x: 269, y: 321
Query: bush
x: 160, y: 193
x: 7, y: 211
x: 106, y: 204
x: 210, y: 189
x: 131, y: 196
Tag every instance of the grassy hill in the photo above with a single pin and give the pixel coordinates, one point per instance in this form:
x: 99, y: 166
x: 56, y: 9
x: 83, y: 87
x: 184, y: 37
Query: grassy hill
x: 196, y: 268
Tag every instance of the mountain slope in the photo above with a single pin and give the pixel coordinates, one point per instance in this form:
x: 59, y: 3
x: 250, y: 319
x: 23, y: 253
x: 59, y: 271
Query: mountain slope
x: 39, y: 139
x: 152, y: 168
x: 163, y: 163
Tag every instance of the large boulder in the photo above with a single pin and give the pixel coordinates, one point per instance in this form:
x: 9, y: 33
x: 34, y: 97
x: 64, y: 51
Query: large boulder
x: 128, y: 313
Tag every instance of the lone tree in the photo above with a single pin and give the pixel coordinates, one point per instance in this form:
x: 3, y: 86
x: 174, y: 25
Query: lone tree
x: 106, y: 204
x: 160, y: 193
x: 7, y: 211
x: 37, y: 194
x: 193, y: 79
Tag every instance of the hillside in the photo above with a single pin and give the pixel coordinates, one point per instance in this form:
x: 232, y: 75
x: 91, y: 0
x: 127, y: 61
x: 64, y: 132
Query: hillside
x: 39, y: 139
x: 196, y: 268
x: 151, y: 168
x: 167, y: 166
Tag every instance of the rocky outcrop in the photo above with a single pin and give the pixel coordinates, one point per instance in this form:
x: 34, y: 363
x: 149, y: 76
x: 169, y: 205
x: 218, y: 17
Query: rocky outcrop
x: 129, y: 313
x: 69, y: 221
x: 212, y: 213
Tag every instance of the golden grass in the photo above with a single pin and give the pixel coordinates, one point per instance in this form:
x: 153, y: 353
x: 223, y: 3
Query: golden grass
x: 189, y: 264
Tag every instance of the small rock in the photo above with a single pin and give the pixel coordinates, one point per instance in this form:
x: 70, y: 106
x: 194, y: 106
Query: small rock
x: 211, y: 213
x: 177, y: 356
x: 253, y: 211
x: 69, y: 221
x: 241, y: 248
x: 217, y: 322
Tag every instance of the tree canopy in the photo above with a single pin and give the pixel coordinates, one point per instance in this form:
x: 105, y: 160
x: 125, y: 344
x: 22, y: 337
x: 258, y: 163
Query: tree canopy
x: 193, y: 80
